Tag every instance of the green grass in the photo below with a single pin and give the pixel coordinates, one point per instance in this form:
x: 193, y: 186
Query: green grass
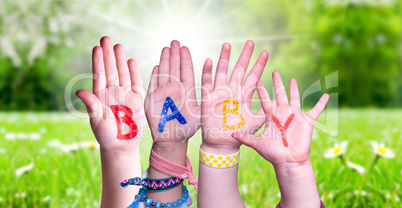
x: 73, y: 179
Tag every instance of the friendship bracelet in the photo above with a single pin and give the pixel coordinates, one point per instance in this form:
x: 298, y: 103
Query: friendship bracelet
x: 183, y: 202
x: 153, y: 185
x: 173, y: 169
x: 219, y: 161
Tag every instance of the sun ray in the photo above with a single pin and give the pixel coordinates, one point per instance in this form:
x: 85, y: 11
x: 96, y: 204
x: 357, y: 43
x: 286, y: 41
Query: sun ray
x: 117, y: 22
x: 219, y: 20
x: 255, y: 39
x: 182, y: 9
x: 200, y: 12
x: 153, y: 17
x: 167, y: 11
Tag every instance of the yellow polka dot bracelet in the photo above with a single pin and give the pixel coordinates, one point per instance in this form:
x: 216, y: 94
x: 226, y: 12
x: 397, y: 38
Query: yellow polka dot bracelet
x: 219, y: 161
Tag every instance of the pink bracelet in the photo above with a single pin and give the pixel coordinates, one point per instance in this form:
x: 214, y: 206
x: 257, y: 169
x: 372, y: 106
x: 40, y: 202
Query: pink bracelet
x: 321, y: 206
x: 173, y: 169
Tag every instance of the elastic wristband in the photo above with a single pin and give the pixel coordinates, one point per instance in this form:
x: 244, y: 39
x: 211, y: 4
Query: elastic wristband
x: 219, y: 161
x: 172, y: 169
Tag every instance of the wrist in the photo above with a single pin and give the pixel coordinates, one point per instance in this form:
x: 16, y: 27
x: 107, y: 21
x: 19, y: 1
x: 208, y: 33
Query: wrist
x: 297, y: 184
x: 219, y: 149
x: 120, y: 154
x: 293, y: 169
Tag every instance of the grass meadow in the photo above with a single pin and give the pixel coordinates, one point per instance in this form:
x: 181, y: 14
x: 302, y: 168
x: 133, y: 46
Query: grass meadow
x: 73, y: 178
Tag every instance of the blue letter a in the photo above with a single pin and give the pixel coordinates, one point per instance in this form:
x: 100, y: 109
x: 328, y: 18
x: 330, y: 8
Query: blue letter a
x: 165, y: 117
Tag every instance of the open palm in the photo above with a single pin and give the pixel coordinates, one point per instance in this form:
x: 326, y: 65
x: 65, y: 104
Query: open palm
x: 271, y: 144
x: 218, y: 125
x: 173, y: 78
x: 117, y: 82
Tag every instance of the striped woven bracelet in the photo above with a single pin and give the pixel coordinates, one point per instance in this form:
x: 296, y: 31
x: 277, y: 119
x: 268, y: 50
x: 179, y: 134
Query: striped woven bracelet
x: 153, y: 185
x: 219, y: 161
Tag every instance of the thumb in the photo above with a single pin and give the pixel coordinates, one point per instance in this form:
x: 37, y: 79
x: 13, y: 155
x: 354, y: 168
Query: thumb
x: 93, y: 104
x: 246, y: 139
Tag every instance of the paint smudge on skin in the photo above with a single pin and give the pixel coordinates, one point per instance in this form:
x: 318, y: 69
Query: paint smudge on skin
x: 175, y: 114
x: 127, y: 119
x: 283, y: 129
x: 232, y: 111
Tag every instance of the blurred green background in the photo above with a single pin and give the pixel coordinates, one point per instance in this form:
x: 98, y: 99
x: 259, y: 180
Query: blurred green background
x: 349, y: 49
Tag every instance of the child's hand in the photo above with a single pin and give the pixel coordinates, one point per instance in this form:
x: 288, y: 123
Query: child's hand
x: 285, y: 142
x: 220, y: 116
x: 117, y: 82
x: 271, y: 144
x: 172, y: 89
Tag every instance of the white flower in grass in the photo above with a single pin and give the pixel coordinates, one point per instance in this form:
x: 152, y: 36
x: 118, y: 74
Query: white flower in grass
x: 337, y: 150
x: 20, y: 195
x: 362, y: 192
x: 22, y: 136
x: 73, y: 147
x: 381, y: 150
x: 34, y: 136
x: 42, y: 130
x: 356, y: 167
x: 11, y: 136
x: 54, y: 143
x: 244, y: 189
x: 46, y: 198
x: 57, y: 144
x: 23, y: 170
x: 43, y: 151
x: 387, y: 195
x: 89, y: 145
x: 397, y: 199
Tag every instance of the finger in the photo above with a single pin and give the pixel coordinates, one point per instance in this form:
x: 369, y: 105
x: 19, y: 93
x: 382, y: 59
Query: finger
x: 135, y: 75
x: 250, y: 83
x: 221, y: 77
x: 246, y: 139
x: 280, y: 91
x: 109, y: 61
x: 187, y: 70
x: 98, y: 70
x: 256, y: 71
x: 264, y: 98
x: 207, y: 85
x: 294, y: 93
x: 242, y: 64
x: 122, y: 68
x: 163, y: 75
x: 92, y: 103
x: 153, y: 83
x: 174, y: 63
x: 319, y: 107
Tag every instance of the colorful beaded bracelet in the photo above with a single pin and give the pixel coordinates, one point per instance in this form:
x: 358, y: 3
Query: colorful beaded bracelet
x: 219, y: 161
x: 142, y: 196
x: 153, y: 185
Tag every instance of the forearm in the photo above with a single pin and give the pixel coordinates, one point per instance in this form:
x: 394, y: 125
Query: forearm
x: 176, y: 153
x: 297, y: 185
x: 218, y: 187
x: 116, y: 167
